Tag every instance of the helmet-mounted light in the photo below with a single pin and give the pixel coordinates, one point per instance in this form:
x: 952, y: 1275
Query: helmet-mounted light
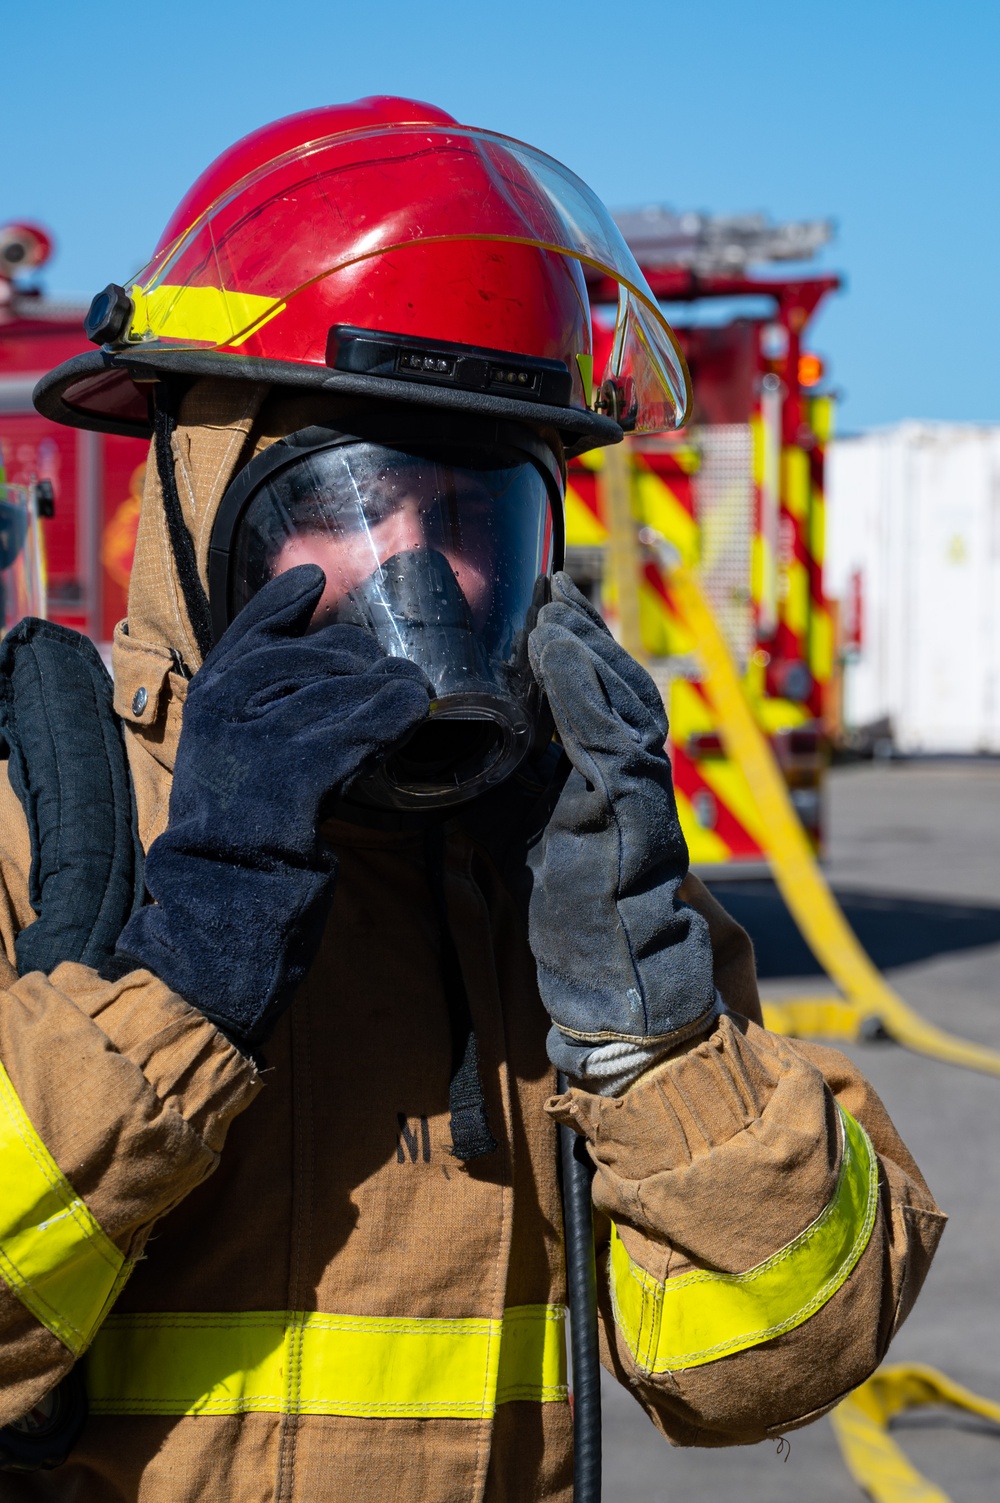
x: 368, y: 352
x: 109, y: 317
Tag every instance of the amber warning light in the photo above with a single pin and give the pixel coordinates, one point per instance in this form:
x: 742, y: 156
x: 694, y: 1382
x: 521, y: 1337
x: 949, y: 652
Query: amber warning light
x: 811, y: 370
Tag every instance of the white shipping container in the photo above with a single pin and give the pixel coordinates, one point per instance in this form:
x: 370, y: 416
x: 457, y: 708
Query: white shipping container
x: 913, y: 548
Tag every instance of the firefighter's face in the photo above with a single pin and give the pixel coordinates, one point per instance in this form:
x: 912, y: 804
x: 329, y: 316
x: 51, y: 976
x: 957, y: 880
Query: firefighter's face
x: 392, y: 521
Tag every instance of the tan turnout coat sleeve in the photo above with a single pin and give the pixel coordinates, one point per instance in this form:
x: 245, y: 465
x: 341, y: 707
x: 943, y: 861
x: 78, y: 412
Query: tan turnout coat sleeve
x: 717, y: 1159
x: 130, y: 1090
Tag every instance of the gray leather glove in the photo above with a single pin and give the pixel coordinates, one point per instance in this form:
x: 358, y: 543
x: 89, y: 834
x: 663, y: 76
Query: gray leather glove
x: 620, y: 960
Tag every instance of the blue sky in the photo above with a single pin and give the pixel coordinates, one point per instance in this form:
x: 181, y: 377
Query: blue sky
x: 882, y: 115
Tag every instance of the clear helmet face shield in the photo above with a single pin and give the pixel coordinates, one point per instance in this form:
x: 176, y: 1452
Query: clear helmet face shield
x: 377, y: 223
x: 442, y: 553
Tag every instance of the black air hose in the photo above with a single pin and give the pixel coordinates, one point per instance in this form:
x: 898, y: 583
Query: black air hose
x: 581, y: 1283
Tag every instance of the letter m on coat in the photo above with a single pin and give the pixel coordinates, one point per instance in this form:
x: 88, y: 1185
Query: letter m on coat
x: 407, y: 1142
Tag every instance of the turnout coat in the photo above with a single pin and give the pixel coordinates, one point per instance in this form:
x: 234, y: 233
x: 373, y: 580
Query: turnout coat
x: 282, y: 1283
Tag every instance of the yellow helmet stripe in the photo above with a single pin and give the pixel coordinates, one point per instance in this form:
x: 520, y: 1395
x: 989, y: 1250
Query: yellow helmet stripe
x: 201, y: 315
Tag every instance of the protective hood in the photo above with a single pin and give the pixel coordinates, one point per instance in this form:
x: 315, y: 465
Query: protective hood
x: 220, y: 424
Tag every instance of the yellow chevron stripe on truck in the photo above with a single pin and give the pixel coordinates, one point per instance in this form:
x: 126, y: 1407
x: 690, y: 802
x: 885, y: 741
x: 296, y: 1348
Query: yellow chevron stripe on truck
x: 583, y: 528
x: 795, y: 482
x: 656, y: 505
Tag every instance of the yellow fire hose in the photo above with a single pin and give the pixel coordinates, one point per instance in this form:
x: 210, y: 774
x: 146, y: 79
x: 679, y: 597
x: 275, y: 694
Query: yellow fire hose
x: 866, y: 994
x: 861, y: 1425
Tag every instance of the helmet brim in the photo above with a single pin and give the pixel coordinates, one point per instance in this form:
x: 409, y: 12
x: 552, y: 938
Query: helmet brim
x: 102, y: 391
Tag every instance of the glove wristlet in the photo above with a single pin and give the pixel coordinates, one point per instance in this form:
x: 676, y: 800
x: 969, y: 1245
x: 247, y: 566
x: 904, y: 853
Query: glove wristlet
x: 610, y: 1068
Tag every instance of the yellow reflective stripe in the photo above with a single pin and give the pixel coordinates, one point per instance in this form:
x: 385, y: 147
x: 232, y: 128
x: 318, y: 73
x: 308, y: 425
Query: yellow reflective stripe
x: 699, y: 1317
x: 532, y: 1354
x: 279, y: 1362
x: 53, y: 1253
x: 207, y: 315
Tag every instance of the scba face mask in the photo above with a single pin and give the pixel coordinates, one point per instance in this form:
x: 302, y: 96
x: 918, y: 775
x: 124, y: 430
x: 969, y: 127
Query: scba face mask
x: 439, y: 545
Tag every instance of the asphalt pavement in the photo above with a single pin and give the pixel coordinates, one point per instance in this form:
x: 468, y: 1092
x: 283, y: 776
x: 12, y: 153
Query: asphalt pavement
x: 914, y: 857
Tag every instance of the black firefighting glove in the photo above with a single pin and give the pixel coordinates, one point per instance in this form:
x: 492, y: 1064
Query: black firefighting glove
x: 276, y: 725
x: 624, y: 968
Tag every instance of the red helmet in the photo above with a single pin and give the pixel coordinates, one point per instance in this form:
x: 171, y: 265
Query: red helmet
x: 378, y: 248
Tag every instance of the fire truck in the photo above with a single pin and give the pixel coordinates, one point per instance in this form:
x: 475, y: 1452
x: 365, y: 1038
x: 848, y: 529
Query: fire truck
x: 737, y: 497
x: 90, y: 483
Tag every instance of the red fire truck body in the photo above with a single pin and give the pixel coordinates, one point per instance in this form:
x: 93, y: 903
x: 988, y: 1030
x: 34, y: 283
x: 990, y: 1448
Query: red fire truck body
x: 739, y: 496
x: 96, y: 478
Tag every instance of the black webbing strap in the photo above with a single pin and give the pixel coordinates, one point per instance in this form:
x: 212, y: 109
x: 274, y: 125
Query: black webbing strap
x: 181, y: 541
x: 471, y: 1137
x: 68, y: 767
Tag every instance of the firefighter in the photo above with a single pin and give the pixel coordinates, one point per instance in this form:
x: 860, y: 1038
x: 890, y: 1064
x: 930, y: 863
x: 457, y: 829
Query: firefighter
x: 280, y: 1180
